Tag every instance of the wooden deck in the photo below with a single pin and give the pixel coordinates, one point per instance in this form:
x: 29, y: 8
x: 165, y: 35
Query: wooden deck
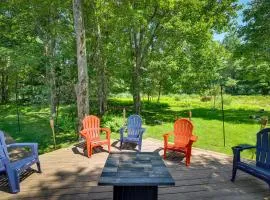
x: 68, y: 174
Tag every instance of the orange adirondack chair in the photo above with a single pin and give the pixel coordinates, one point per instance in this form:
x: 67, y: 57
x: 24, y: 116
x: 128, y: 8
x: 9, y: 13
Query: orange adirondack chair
x: 183, y: 139
x: 91, y: 133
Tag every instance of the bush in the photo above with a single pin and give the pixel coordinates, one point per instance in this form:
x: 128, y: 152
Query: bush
x: 177, y: 98
x: 206, y: 98
x: 122, y: 95
x: 114, y: 123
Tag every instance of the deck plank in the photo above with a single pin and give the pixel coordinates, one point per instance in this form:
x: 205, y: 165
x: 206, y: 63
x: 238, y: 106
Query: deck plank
x: 69, y: 174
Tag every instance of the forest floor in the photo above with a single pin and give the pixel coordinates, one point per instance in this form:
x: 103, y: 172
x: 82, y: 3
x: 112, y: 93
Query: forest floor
x: 241, y: 120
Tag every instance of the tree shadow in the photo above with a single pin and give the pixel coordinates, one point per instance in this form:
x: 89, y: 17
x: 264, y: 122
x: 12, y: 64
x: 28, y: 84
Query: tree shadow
x: 125, y: 146
x: 208, y: 177
x: 172, y: 156
x: 4, y: 185
x: 156, y: 113
x: 234, y: 116
x: 15, y: 154
x: 83, y: 150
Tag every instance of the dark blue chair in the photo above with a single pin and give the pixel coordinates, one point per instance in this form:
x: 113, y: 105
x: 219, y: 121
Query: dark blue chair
x: 14, y: 169
x: 133, y: 130
x: 262, y: 168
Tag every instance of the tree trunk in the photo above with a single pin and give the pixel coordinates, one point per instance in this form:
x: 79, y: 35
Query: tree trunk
x: 50, y: 53
x: 139, y: 44
x: 136, y: 54
x: 101, y: 72
x: 4, y: 82
x: 136, y: 88
x: 102, y: 91
x: 81, y: 88
x: 3, y: 87
x: 159, y: 92
x: 139, y: 51
x: 6, y: 89
x: 214, y: 101
x: 53, y: 96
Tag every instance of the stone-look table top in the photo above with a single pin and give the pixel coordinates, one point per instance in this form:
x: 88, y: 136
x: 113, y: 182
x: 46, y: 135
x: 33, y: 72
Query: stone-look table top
x: 135, y: 169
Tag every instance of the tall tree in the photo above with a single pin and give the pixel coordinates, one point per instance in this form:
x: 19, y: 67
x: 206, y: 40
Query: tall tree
x: 256, y: 44
x: 81, y: 88
x: 256, y: 30
x: 100, y: 22
x: 169, y: 24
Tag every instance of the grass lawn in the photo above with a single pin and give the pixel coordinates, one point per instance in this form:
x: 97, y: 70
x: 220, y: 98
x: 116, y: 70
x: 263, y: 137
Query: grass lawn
x: 158, y: 119
x: 35, y: 126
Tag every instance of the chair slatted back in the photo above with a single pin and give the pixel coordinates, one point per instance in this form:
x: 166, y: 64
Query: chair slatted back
x: 3, y: 150
x: 263, y: 149
x: 182, y: 132
x: 92, y: 123
x: 134, y: 123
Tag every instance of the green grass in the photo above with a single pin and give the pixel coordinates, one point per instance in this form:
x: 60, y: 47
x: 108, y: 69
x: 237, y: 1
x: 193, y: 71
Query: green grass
x: 239, y: 127
x: 35, y: 126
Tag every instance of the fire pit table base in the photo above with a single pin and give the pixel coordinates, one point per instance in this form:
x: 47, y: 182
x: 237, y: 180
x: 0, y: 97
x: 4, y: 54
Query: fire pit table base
x: 135, y: 192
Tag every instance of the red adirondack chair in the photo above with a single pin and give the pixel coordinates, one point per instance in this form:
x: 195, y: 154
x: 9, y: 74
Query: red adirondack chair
x: 91, y: 133
x: 183, y: 139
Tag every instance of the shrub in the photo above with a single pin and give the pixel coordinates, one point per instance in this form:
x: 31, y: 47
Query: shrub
x: 206, y: 98
x: 114, y: 123
x: 177, y: 98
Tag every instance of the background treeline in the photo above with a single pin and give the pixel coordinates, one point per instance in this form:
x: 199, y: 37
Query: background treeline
x: 148, y: 48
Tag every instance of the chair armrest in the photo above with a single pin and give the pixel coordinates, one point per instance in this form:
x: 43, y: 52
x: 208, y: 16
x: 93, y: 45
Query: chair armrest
x: 237, y: 150
x: 242, y: 147
x: 108, y: 132
x: 122, y: 130
x: 142, y: 130
x: 33, y: 146
x: 83, y: 132
x: 85, y: 135
x: 166, y: 137
x: 193, y: 138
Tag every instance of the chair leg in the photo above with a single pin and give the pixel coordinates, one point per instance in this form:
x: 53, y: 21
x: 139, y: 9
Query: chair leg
x: 139, y: 147
x: 188, y: 155
x: 164, y: 155
x: 234, y: 174
x: 13, y: 181
x: 89, y: 151
x: 38, y: 167
x: 121, y: 145
x: 187, y: 159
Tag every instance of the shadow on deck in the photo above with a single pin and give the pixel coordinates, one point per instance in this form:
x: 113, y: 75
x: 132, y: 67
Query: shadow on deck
x: 69, y: 174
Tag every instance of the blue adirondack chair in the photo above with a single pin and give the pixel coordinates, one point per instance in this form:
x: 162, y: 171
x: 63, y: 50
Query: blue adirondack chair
x: 133, y: 130
x: 262, y: 168
x: 14, y: 169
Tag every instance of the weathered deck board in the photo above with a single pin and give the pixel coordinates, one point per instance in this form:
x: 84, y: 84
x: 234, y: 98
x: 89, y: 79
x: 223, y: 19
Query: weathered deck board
x: 68, y: 174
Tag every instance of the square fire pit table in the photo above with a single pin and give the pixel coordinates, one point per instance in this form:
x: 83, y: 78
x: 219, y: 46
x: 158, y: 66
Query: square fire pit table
x: 135, y: 175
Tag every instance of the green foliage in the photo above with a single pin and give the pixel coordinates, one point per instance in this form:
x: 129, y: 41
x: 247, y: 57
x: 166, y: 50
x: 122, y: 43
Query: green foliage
x: 145, y: 47
x: 35, y: 127
x: 256, y: 30
x: 249, y: 59
x: 239, y: 126
x: 113, y: 122
x: 173, y: 43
